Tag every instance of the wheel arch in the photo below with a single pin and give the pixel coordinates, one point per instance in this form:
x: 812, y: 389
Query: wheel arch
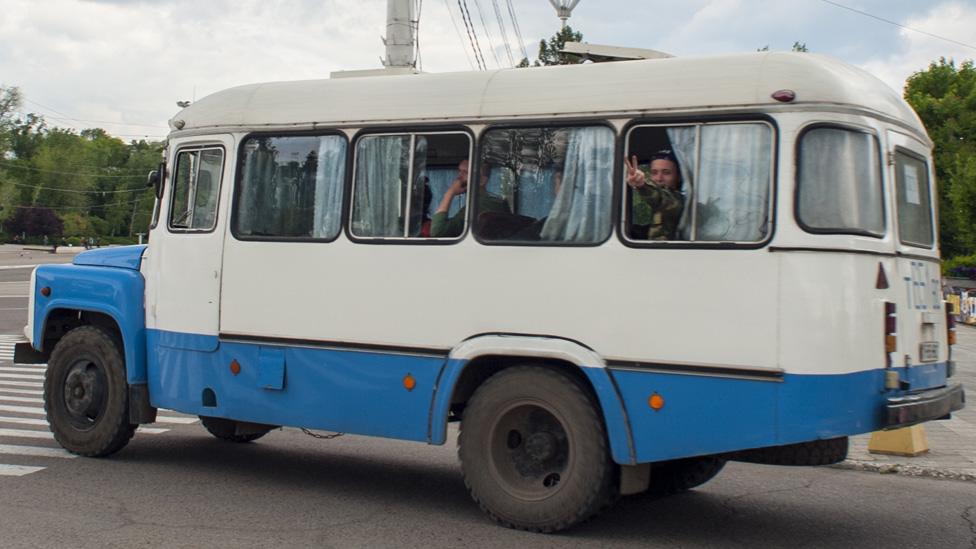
x: 478, y: 358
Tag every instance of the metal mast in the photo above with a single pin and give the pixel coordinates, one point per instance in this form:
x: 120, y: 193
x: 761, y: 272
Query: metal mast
x: 401, y: 34
x: 564, y: 8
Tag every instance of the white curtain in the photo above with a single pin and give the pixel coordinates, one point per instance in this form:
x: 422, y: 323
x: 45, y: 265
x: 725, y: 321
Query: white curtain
x: 840, y: 181
x: 329, y: 178
x: 381, y: 171
x: 683, y: 145
x: 581, y: 211
x: 733, y: 183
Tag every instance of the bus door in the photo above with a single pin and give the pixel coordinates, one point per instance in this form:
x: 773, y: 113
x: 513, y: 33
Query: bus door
x: 184, y: 259
x: 920, y: 328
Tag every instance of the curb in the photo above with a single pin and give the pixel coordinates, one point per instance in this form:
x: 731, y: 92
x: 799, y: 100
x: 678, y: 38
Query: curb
x: 904, y: 470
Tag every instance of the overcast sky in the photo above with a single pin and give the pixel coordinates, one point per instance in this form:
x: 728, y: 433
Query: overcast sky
x: 122, y: 64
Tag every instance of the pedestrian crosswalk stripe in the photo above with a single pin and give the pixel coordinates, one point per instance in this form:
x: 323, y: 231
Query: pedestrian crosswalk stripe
x: 23, y: 384
x: 17, y: 470
x: 33, y: 377
x: 37, y: 451
x: 4, y: 398
x: 23, y: 420
x: 20, y: 370
x: 4, y: 391
x: 26, y: 433
x: 21, y: 409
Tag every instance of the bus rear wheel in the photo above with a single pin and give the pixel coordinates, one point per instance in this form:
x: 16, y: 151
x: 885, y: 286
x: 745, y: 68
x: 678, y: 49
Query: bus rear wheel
x: 680, y: 475
x: 86, y: 396
x: 533, y: 450
x: 226, y: 429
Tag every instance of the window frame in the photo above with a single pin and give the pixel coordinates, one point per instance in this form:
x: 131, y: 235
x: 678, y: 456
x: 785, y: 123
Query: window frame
x: 551, y: 124
x: 172, y: 186
x: 798, y: 178
x: 933, y: 218
x: 701, y: 121
x: 239, y: 177
x: 404, y: 131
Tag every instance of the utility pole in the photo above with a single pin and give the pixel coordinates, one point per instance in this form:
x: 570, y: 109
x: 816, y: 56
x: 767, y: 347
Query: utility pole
x: 401, y: 34
x: 564, y: 8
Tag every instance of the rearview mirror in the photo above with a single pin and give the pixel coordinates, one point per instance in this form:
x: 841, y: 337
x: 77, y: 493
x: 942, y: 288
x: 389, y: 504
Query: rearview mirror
x: 156, y: 179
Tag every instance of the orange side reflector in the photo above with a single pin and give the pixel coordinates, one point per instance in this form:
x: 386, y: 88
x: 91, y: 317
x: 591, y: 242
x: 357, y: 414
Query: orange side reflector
x: 656, y: 402
x: 235, y: 367
x: 952, y: 337
x: 409, y: 382
x: 891, y: 343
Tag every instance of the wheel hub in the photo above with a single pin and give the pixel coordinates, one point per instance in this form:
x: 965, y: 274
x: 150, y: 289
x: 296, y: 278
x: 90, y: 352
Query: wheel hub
x: 541, y: 446
x: 83, y: 392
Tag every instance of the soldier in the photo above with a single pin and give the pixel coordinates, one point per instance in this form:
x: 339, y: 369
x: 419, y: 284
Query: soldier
x: 660, y: 189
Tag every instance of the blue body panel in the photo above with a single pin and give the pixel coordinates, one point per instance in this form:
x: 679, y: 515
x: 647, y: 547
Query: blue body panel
x: 362, y: 392
x: 122, y: 257
x: 338, y: 390
x: 117, y: 292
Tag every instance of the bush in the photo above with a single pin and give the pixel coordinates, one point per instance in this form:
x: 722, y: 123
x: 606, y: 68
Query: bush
x: 962, y: 266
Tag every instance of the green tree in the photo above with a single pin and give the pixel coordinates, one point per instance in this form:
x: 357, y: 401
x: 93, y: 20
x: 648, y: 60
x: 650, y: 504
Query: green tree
x: 549, y: 49
x: 944, y: 96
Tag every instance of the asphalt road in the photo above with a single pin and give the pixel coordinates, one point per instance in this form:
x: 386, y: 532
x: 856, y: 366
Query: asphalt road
x: 176, y: 486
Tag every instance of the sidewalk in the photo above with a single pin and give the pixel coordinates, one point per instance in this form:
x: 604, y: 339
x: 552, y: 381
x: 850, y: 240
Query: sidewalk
x: 952, y: 443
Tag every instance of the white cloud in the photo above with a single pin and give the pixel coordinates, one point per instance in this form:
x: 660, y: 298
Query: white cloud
x: 954, y: 20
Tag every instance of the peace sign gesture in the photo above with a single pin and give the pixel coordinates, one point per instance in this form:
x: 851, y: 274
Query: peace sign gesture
x: 635, y: 177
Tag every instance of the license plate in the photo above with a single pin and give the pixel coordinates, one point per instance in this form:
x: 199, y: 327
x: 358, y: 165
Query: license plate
x: 928, y: 351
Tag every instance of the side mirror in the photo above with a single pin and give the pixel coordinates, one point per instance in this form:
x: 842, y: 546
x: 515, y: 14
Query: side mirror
x: 156, y: 179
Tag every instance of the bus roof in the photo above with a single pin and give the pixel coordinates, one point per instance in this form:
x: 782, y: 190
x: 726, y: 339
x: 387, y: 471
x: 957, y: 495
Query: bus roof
x: 679, y: 84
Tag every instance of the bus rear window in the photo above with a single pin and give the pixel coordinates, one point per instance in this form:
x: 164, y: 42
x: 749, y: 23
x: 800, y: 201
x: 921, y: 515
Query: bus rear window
x: 839, y: 182
x: 914, y: 202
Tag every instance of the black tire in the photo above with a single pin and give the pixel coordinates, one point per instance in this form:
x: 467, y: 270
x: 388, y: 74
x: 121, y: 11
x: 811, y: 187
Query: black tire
x: 672, y: 477
x: 86, y: 395
x: 226, y: 429
x: 533, y: 450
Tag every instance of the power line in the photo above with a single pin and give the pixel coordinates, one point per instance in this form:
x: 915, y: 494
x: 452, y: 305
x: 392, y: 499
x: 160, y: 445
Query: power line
x: 457, y: 30
x: 472, y: 36
x: 78, y: 174
x: 501, y: 27
x: 76, y: 191
x: 890, y: 22
x: 69, y: 117
x: 81, y: 127
x: 518, y: 31
x: 80, y: 207
x: 491, y: 46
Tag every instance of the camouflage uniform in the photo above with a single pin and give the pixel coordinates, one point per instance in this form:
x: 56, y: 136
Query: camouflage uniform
x: 666, y: 206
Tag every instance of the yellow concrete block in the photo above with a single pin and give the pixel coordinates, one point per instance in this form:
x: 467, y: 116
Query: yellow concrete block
x: 907, y: 441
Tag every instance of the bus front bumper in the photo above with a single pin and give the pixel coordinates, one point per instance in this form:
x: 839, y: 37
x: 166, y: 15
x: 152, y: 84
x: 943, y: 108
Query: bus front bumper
x: 908, y: 410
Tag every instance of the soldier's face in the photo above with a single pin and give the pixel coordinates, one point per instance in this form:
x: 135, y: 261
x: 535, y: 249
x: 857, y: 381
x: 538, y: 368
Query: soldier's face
x: 664, y: 173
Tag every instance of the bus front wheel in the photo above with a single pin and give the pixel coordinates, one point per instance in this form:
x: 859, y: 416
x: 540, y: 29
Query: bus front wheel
x: 533, y: 450
x: 86, y: 396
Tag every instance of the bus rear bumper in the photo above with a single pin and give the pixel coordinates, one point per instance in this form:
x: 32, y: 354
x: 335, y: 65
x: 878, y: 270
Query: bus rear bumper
x: 925, y: 406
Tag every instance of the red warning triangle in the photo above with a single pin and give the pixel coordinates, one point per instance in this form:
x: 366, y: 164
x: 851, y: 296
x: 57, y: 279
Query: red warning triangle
x: 882, y: 283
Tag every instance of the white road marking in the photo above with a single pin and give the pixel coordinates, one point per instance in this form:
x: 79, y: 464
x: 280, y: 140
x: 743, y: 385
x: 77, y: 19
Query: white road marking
x: 21, y: 409
x: 15, y: 450
x: 23, y: 376
x: 5, y: 390
x: 17, y: 470
x: 23, y: 420
x: 23, y: 384
x: 26, y: 433
x: 21, y: 370
x: 29, y: 400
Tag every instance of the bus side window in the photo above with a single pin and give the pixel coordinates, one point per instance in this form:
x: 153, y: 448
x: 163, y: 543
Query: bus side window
x: 720, y: 190
x: 196, y: 187
x: 401, y: 181
x: 291, y: 187
x: 549, y: 185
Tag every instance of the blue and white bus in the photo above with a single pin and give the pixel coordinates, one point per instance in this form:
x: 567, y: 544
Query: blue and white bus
x: 318, y: 259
